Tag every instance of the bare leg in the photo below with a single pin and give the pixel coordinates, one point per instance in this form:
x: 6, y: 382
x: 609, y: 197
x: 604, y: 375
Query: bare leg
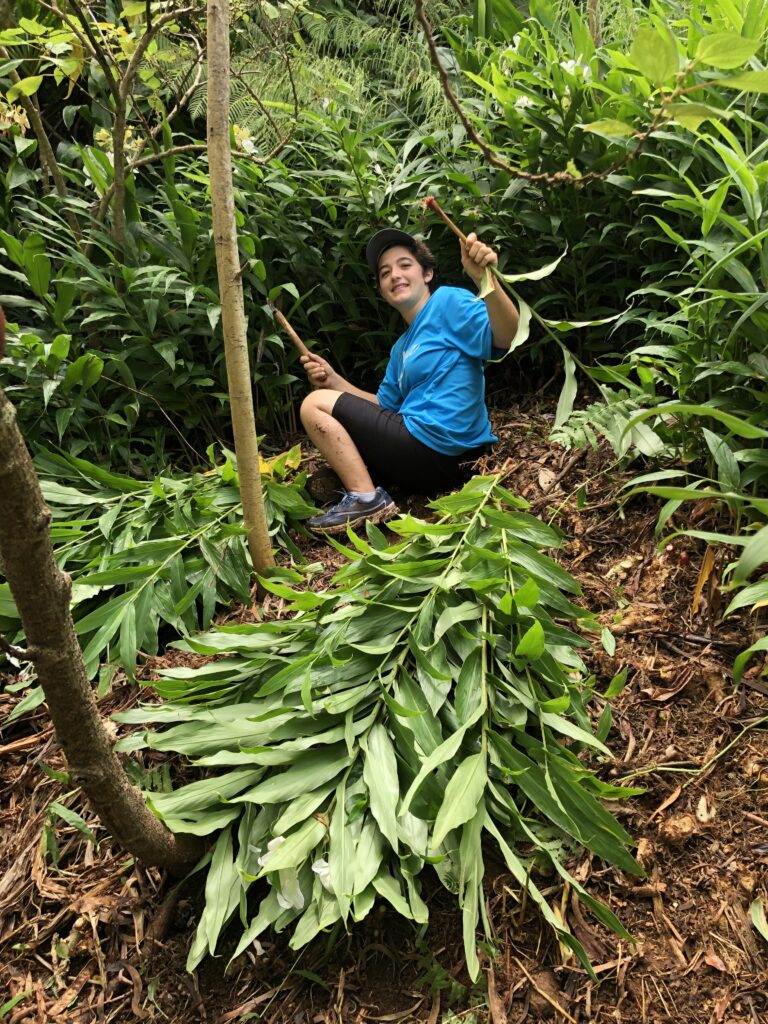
x: 333, y: 441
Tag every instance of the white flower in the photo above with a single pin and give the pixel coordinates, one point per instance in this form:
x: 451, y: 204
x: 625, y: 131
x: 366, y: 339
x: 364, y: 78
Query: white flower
x: 523, y: 102
x: 272, y: 845
x: 289, y: 894
x: 571, y: 65
x: 323, y: 871
x: 516, y: 40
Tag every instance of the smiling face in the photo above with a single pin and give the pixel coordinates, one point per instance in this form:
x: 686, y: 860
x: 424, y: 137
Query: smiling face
x: 403, y: 282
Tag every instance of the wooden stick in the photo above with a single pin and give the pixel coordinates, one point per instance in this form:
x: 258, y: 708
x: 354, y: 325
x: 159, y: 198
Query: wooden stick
x: 298, y: 343
x: 432, y: 204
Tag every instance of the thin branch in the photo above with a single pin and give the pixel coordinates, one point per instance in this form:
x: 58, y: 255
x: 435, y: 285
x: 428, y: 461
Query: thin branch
x: 559, y: 177
x: 240, y: 77
x: 146, y: 394
x: 192, y: 147
x: 143, y: 44
x: 90, y: 43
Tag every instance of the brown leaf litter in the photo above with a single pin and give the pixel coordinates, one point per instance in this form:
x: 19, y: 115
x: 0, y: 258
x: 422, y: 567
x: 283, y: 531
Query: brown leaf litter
x: 87, y: 935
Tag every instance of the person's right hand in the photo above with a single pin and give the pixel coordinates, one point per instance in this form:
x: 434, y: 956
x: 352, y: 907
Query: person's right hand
x: 320, y: 372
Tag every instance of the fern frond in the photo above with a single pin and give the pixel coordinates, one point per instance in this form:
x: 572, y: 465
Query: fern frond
x: 610, y: 419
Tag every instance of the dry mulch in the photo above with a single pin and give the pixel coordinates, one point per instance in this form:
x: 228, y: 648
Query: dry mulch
x: 88, y: 935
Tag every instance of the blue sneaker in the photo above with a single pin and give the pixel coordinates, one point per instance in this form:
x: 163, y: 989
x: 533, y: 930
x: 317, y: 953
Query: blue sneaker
x: 352, y: 510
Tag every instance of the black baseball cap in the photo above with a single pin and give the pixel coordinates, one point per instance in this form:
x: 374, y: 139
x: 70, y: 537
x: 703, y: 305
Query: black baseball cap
x: 382, y: 240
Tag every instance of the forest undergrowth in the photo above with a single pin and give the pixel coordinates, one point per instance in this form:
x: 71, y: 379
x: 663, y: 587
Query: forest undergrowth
x: 680, y: 732
x: 414, y: 730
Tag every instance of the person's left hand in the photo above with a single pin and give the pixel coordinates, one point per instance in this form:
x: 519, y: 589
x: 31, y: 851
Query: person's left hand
x: 476, y: 256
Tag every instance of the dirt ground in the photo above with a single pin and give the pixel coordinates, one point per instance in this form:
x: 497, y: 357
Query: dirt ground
x: 87, y: 935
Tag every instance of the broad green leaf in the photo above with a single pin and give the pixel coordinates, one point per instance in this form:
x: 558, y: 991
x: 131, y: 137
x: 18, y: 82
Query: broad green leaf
x: 32, y: 26
x: 24, y: 87
x: 308, y: 771
x: 341, y: 854
x: 471, y: 854
x: 523, y: 326
x: 617, y: 684
x: 462, y: 796
x: 749, y: 81
x: 726, y: 50
x: 369, y: 854
x: 469, y: 686
x: 534, y: 275
x: 128, y: 639
x: 735, y: 424
x: 487, y: 285
x: 654, y: 54
x: 610, y: 127
x: 296, y: 848
x: 568, y: 393
x: 741, y: 662
x: 532, y: 644
x: 692, y: 115
x: 386, y: 886
x: 528, y: 595
x: 608, y: 641
x: 380, y: 775
x: 222, y: 890
x: 71, y: 818
x: 754, y: 555
x: 467, y: 611
x: 441, y: 754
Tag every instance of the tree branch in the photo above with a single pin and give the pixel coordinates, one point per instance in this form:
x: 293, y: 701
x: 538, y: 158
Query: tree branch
x: 559, y: 177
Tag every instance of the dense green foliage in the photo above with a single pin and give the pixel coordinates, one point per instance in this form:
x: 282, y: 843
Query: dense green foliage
x: 146, y: 557
x: 432, y: 695
x: 630, y: 169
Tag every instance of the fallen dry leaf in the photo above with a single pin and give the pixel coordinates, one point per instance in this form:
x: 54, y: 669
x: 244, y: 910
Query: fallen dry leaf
x: 678, y: 829
x: 714, y: 961
x: 707, y: 566
x: 667, y: 803
x: 546, y: 479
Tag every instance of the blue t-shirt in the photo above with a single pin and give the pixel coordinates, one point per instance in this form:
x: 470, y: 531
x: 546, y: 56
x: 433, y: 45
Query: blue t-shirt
x: 435, y: 377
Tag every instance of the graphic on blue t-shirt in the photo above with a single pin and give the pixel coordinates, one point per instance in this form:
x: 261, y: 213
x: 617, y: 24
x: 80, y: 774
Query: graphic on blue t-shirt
x: 435, y: 377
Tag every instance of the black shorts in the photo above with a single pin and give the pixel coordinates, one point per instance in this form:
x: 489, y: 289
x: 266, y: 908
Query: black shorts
x: 394, y: 457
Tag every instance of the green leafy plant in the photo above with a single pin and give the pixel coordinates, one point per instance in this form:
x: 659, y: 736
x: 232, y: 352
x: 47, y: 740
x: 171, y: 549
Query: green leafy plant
x: 432, y: 700
x: 148, y: 556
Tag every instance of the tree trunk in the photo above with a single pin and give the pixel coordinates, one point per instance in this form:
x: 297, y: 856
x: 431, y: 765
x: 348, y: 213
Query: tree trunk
x: 231, y: 287
x: 42, y: 592
x: 595, y: 22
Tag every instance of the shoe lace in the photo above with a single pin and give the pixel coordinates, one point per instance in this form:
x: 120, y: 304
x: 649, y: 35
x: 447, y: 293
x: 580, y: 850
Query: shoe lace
x: 346, y: 501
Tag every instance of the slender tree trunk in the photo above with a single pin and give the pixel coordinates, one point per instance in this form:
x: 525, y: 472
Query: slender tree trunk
x: 595, y: 22
x: 42, y: 592
x: 231, y: 287
x: 118, y: 162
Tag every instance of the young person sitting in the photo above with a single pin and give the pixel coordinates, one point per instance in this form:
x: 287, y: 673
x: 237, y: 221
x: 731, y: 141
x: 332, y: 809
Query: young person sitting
x: 428, y: 418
